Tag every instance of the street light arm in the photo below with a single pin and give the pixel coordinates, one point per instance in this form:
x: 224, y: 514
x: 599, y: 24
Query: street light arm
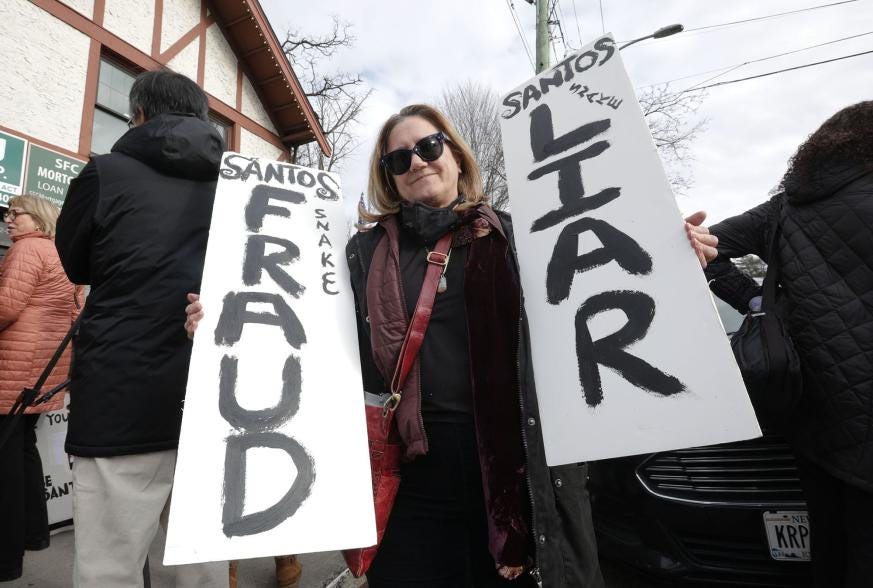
x: 660, y: 33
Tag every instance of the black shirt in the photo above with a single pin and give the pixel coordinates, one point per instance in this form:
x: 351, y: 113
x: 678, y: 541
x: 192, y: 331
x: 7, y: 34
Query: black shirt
x: 446, y: 389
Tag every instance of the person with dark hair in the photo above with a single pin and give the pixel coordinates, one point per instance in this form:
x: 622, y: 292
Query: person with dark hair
x: 163, y: 91
x: 134, y: 226
x: 824, y: 210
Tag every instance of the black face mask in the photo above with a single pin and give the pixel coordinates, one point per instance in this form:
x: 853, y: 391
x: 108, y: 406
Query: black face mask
x: 427, y: 223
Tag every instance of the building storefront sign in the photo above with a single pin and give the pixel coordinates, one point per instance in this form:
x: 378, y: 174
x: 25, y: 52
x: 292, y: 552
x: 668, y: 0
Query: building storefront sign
x: 49, y: 173
x: 12, y: 151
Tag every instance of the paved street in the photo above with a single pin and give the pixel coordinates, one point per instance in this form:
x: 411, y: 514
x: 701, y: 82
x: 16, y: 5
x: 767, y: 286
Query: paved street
x: 53, y: 568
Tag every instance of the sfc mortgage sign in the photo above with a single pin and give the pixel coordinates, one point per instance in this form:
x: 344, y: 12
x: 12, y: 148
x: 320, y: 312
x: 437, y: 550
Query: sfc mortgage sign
x: 26, y: 168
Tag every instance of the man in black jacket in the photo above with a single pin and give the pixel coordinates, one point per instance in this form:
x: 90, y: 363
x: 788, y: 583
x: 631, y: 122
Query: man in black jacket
x: 825, y: 255
x: 134, y: 226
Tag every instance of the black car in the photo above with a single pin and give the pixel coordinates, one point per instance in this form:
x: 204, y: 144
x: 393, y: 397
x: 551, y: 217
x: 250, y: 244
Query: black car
x: 727, y: 514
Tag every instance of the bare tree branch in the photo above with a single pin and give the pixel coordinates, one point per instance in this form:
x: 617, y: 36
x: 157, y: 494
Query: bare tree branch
x: 671, y: 119
x: 336, y: 97
x: 472, y: 108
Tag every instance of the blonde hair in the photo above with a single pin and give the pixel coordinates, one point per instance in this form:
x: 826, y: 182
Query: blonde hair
x: 44, y: 213
x: 382, y: 192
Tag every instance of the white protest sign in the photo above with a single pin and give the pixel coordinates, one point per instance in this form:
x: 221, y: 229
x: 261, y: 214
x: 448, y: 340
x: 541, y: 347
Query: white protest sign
x: 51, y: 432
x: 628, y: 351
x: 273, y: 455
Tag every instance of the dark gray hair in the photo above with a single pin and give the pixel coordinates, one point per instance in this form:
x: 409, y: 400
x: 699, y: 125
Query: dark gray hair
x: 161, y: 91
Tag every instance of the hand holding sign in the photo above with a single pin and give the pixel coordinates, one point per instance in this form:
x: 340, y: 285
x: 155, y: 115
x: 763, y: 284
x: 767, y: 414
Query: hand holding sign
x: 701, y: 241
x: 610, y: 282
x: 258, y: 472
x: 193, y: 314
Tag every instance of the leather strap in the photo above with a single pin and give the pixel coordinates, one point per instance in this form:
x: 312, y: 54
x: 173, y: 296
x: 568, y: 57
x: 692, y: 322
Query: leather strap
x: 437, y: 259
x: 28, y: 396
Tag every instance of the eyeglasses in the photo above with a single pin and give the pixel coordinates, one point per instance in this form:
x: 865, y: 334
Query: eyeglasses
x: 131, y: 121
x: 429, y: 148
x: 11, y: 215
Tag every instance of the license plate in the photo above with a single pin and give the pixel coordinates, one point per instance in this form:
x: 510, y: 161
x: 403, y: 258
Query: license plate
x: 788, y: 535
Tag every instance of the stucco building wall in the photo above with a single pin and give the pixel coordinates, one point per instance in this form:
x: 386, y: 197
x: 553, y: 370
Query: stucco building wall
x: 132, y: 20
x: 185, y: 62
x: 252, y: 106
x: 179, y: 17
x: 83, y: 7
x: 221, y: 66
x: 252, y: 145
x: 44, y: 95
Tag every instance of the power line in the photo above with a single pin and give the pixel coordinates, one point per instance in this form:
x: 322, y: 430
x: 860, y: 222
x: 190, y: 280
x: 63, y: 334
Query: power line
x: 557, y: 22
x: 712, y: 28
x: 602, y: 26
x: 578, y: 28
x: 772, y: 73
x: 736, y: 22
x: 520, y: 33
x: 729, y: 68
x: 559, y: 18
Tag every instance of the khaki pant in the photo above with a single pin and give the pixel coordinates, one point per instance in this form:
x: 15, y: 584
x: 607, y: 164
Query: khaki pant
x: 117, y: 505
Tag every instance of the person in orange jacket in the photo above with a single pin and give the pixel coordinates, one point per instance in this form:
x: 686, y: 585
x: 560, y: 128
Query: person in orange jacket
x: 37, y: 307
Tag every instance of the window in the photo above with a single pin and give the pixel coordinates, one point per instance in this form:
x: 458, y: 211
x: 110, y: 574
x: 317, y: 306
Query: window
x: 111, y: 111
x: 221, y: 127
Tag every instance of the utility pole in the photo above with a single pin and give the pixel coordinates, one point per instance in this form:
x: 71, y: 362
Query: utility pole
x: 542, y: 35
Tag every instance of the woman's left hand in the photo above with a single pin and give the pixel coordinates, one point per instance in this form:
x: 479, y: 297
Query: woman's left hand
x: 510, y: 572
x: 703, y: 243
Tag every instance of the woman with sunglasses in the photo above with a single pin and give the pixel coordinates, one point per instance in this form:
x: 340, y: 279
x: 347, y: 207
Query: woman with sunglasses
x: 37, y: 307
x: 477, y: 505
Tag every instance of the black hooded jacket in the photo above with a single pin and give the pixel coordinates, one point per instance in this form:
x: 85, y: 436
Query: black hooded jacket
x: 826, y: 255
x: 134, y: 226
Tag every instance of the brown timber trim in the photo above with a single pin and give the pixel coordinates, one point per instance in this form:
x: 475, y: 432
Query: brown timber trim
x: 254, y: 51
x: 86, y: 156
x: 99, y: 12
x: 130, y: 53
x: 236, y: 21
x: 285, y: 68
x: 239, y: 85
x: 92, y: 77
x: 236, y: 137
x: 201, y: 55
x: 156, y: 29
x: 182, y: 42
x: 222, y: 109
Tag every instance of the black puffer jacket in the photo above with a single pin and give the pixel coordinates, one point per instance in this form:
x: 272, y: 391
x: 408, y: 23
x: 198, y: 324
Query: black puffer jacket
x: 826, y: 254
x: 134, y: 225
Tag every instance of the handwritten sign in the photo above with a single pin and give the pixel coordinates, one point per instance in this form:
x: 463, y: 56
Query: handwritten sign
x: 51, y: 432
x: 628, y: 350
x: 273, y: 454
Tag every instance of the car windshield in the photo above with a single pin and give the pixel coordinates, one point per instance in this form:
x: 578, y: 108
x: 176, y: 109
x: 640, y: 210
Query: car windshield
x: 730, y: 318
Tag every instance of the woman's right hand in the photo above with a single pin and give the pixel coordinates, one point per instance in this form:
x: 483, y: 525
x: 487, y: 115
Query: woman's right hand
x: 193, y: 314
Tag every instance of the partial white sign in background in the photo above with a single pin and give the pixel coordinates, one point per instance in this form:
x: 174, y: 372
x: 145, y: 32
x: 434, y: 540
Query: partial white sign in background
x: 273, y: 455
x: 51, y: 432
x: 628, y: 350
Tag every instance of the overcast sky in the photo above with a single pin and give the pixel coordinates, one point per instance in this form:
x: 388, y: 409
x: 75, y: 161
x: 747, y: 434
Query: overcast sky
x: 408, y: 51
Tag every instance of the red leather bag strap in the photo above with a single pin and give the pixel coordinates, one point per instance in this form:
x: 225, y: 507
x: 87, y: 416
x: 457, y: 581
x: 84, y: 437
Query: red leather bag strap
x: 437, y: 259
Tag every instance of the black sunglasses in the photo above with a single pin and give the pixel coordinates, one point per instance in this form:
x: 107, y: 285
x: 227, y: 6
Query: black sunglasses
x: 429, y: 148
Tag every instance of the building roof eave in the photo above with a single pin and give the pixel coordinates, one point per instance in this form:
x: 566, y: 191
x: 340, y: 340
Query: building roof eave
x: 250, y: 35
